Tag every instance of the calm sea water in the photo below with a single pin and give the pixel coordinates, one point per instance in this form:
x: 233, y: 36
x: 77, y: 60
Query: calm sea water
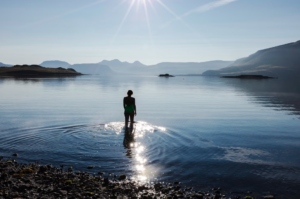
x: 241, y: 135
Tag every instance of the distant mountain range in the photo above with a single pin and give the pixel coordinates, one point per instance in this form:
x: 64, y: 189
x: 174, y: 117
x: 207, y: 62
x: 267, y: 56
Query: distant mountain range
x: 92, y: 69
x: 55, y: 64
x: 177, y: 68
x: 109, y: 67
x: 281, y: 61
x: 5, y: 65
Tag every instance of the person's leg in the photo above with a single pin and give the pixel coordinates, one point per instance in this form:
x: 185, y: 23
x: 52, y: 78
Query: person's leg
x: 126, y: 119
x: 132, y: 117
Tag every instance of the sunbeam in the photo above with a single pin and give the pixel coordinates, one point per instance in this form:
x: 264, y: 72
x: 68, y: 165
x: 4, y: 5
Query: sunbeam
x: 208, y: 7
x: 176, y: 16
x: 148, y: 21
x: 151, y: 5
x: 203, y: 8
x: 148, y: 24
x: 122, y: 23
x: 138, y: 5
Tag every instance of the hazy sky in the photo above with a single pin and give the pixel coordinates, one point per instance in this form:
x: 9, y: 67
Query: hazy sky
x: 151, y: 31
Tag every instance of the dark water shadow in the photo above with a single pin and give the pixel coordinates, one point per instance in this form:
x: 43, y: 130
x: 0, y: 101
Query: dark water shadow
x: 129, y: 137
x: 279, y: 94
x: 45, y: 80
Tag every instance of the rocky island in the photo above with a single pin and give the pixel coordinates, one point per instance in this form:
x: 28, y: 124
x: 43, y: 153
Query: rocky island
x: 165, y: 75
x: 36, y: 71
x: 249, y: 77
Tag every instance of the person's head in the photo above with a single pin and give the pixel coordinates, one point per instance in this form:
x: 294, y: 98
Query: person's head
x: 129, y: 93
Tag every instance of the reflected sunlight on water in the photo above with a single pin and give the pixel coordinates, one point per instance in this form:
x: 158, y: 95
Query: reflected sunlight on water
x: 135, y: 131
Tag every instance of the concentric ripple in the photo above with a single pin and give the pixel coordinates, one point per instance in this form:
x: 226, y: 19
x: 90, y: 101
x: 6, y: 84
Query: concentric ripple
x: 105, y: 146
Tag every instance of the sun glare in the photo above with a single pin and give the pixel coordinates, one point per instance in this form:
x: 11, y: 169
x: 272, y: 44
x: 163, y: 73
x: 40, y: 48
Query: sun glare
x: 144, y: 3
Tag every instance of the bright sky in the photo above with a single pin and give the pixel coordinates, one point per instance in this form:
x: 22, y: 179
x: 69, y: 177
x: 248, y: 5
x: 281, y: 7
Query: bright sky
x: 151, y: 31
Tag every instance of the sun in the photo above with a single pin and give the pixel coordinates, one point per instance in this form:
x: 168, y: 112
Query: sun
x: 144, y: 4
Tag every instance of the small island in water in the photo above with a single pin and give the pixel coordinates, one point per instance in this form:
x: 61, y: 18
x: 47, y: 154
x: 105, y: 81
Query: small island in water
x: 36, y: 71
x: 165, y: 75
x: 249, y: 77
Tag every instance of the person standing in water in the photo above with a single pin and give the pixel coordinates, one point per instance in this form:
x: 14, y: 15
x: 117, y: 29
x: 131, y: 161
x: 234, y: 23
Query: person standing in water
x: 130, y: 108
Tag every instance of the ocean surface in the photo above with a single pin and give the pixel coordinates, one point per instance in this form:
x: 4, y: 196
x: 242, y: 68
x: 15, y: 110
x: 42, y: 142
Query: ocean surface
x: 206, y: 132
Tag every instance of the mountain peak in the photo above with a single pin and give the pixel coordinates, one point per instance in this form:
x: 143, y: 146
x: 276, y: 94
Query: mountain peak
x: 55, y: 64
x: 6, y: 65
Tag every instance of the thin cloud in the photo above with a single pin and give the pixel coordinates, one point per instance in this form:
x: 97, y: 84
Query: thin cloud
x: 208, y: 7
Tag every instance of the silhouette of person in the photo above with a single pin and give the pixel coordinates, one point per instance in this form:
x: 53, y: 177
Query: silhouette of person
x: 130, y: 108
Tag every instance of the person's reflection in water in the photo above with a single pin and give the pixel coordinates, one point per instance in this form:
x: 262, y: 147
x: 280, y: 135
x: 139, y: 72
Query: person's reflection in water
x: 129, y: 137
x: 130, y: 108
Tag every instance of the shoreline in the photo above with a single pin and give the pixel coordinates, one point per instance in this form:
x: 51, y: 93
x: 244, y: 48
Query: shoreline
x: 19, y: 180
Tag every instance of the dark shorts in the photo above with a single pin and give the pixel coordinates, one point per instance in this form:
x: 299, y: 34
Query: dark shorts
x: 127, y: 115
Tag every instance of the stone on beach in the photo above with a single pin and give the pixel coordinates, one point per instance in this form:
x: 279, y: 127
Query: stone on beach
x: 122, y: 177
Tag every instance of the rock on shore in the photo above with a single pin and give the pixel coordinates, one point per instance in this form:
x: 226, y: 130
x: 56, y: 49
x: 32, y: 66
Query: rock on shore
x: 36, y: 181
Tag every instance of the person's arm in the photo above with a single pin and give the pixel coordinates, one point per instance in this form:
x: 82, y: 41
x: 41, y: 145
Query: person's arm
x: 124, y: 102
x: 134, y: 107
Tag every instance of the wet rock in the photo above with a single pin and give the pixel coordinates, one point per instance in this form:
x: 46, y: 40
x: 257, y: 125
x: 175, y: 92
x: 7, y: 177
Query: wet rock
x: 4, y: 176
x: 106, y: 181
x: 175, y: 196
x: 15, y: 154
x: 122, y: 177
x: 269, y: 197
x: 180, y: 196
x: 165, y: 190
x: 176, y: 182
x: 68, y: 182
x: 197, y: 196
x: 100, y: 173
x: 43, y: 169
x: 177, y: 188
x: 216, y: 197
x: 63, y: 192
x: 90, y: 167
x: 157, y: 187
